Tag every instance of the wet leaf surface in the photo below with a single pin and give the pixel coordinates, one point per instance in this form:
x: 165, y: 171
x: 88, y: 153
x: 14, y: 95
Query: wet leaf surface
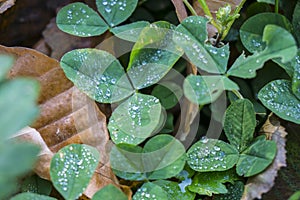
x: 150, y: 191
x: 279, y: 98
x: 116, y: 12
x: 110, y: 192
x: 212, y: 155
x: 191, y: 36
x: 31, y: 196
x: 130, y: 32
x: 80, y: 20
x: 135, y: 119
x: 71, y: 169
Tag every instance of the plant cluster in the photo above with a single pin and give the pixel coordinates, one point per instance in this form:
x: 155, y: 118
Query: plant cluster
x: 141, y: 125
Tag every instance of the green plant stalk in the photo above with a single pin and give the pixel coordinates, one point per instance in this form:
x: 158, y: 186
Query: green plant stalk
x: 236, y: 11
x: 190, y: 7
x: 208, y: 13
x: 238, y: 94
x: 276, y: 6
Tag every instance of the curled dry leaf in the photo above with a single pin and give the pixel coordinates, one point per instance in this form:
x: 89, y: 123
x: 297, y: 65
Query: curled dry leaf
x: 263, y: 182
x: 180, y: 9
x: 6, y: 4
x: 66, y: 115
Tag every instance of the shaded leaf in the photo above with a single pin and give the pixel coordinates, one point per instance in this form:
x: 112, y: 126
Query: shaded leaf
x: 130, y: 32
x: 98, y: 74
x: 209, y: 183
x: 80, y: 20
x: 150, y: 191
x: 191, y: 36
x: 296, y: 21
x: 169, y: 125
x: 206, y: 89
x: 71, y: 169
x: 6, y: 63
x: 173, y: 190
x: 235, y: 192
x: 279, y: 98
x: 135, y: 119
x: 212, y: 155
x: 240, y: 123
x: 252, y: 38
x: 18, y: 114
x: 31, y: 196
x: 256, y: 158
x: 116, y: 12
x: 35, y: 184
x: 168, y: 94
x: 110, y: 192
x: 279, y: 44
x: 163, y: 157
x: 263, y: 182
x: 153, y: 55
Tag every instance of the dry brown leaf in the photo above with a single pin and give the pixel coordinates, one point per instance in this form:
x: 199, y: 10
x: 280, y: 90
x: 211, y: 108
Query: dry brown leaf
x: 6, y: 4
x: 180, y: 9
x: 67, y: 115
x: 262, y: 183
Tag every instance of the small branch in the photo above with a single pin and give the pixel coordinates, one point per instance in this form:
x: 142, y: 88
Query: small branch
x: 236, y: 11
x: 238, y: 94
x: 190, y: 7
x: 180, y: 9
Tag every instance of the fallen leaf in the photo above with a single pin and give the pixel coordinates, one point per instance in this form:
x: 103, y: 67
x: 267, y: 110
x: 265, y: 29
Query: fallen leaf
x: 6, y: 4
x: 180, y: 9
x: 67, y: 116
x: 263, y: 182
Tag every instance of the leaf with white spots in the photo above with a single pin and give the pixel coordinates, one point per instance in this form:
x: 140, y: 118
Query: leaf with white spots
x: 153, y: 55
x: 174, y: 191
x: 279, y: 44
x: 296, y: 76
x: 150, y: 191
x: 135, y: 119
x: 206, y: 89
x: 191, y: 36
x: 130, y: 32
x: 116, y: 11
x: 212, y: 155
x: 163, y: 157
x: 71, y: 169
x: 240, y: 123
x: 279, y: 98
x: 31, y: 196
x: 80, y: 20
x: 257, y: 157
x: 98, y: 74
x: 110, y: 192
x: 209, y: 183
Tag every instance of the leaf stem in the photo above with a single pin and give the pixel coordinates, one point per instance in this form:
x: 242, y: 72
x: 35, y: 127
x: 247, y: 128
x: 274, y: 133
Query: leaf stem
x: 190, y: 7
x: 208, y: 13
x: 236, y: 11
x: 276, y: 6
x: 238, y: 94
